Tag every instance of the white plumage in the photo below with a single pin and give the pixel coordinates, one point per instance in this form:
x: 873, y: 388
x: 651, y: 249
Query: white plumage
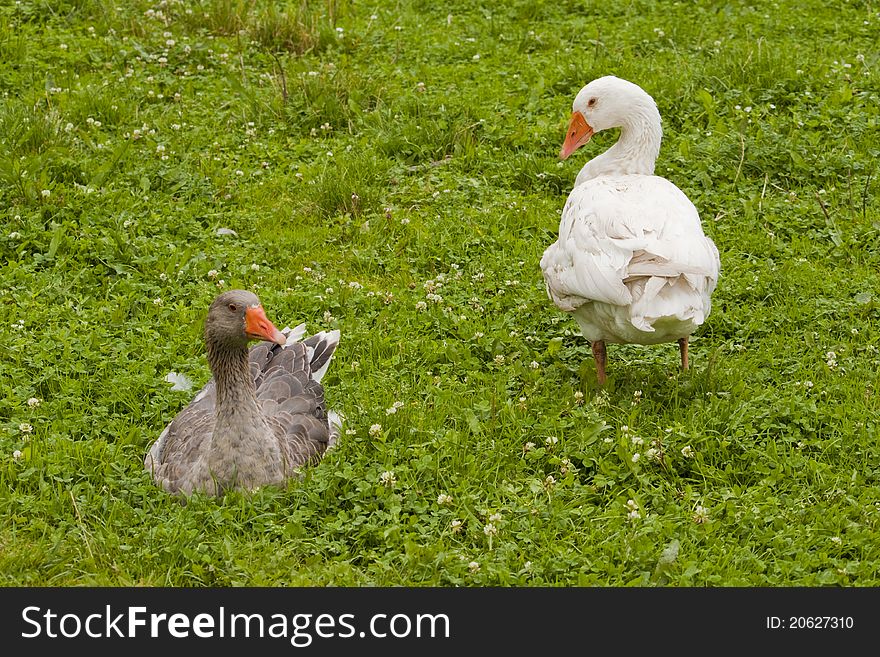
x: 632, y: 264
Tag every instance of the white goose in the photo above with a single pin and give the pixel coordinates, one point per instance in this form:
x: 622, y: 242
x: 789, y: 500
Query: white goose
x: 631, y: 264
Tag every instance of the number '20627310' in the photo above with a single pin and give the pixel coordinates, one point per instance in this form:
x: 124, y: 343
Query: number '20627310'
x: 810, y: 623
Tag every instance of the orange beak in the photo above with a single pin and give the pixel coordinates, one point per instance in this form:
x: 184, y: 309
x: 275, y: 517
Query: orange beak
x: 258, y: 327
x: 579, y: 133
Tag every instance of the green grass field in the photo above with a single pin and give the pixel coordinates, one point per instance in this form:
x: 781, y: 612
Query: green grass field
x: 391, y: 170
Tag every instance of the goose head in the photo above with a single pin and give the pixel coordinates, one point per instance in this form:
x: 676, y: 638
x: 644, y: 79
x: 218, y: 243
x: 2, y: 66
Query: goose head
x: 236, y: 317
x: 607, y: 102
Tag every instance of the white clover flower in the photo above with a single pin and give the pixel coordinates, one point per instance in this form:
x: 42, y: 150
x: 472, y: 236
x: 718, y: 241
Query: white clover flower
x: 495, y: 518
x: 831, y: 359
x: 528, y: 447
x: 436, y: 298
x: 836, y: 539
x: 391, y: 411
x: 33, y: 402
x: 534, y: 365
x: 46, y: 193
x: 473, y: 566
x: 24, y: 427
x: 636, y: 457
x: 490, y: 530
x: 652, y: 454
x: 328, y: 316
x: 375, y: 430
x: 213, y: 273
x: 578, y: 397
x: 687, y: 451
x: 388, y: 478
x: 444, y: 499
x: 157, y: 301
x: 551, y: 440
x: 564, y: 466
x: 421, y: 305
x: 499, y: 359
x: 549, y: 481
x: 16, y: 454
x: 350, y: 432
x: 163, y: 276
x: 14, y: 235
x: 456, y: 526
x: 354, y: 285
x: 255, y: 267
x: 633, y: 510
x: 701, y: 515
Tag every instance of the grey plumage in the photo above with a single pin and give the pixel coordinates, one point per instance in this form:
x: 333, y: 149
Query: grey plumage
x: 260, y: 418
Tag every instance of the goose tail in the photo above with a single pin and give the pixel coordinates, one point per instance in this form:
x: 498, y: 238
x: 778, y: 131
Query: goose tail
x: 336, y: 420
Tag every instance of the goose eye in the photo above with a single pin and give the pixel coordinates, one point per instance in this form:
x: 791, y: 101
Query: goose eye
x: 591, y: 102
x: 233, y: 307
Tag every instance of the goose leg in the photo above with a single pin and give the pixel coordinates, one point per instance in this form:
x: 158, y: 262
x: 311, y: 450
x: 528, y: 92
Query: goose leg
x: 599, y: 356
x: 683, y: 347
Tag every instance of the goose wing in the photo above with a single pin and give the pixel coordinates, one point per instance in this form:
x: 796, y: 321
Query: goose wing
x: 616, y: 230
x: 291, y: 396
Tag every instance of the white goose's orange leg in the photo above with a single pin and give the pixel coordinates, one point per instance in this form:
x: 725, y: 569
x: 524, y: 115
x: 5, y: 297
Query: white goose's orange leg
x: 599, y: 356
x: 683, y: 347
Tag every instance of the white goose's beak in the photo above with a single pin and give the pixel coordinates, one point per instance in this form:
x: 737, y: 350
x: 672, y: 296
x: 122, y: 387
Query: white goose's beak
x: 579, y: 133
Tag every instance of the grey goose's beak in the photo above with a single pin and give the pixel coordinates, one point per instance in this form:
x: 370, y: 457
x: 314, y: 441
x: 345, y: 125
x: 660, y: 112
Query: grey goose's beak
x: 258, y: 327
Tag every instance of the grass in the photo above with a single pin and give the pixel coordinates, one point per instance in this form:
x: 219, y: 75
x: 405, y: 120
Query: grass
x: 390, y: 170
